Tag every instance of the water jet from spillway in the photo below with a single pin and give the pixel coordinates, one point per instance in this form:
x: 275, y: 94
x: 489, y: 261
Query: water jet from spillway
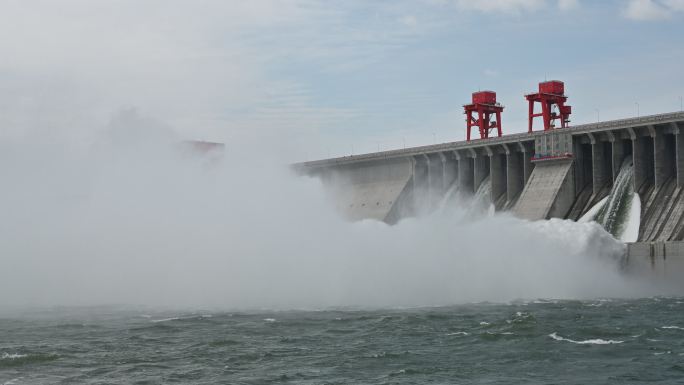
x: 482, y: 200
x: 619, y: 212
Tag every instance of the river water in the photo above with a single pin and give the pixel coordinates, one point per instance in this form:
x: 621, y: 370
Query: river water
x: 535, y: 342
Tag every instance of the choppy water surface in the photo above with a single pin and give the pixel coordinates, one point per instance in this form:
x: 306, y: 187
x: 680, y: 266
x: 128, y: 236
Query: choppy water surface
x: 563, y: 342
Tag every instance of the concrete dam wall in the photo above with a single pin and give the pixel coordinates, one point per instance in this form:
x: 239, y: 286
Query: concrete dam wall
x: 560, y: 173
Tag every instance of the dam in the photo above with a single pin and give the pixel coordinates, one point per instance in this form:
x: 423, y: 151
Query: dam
x: 556, y: 173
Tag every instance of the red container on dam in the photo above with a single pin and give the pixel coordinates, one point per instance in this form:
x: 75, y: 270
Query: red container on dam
x: 555, y: 87
x: 552, y: 98
x: 480, y: 114
x: 484, y: 97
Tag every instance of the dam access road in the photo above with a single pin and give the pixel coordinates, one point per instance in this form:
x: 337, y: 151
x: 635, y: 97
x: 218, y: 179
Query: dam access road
x: 559, y: 173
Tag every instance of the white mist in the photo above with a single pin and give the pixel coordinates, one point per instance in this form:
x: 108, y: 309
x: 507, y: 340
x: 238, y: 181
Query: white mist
x: 136, y: 221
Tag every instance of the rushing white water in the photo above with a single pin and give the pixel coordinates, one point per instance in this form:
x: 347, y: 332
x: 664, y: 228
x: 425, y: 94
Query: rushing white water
x: 619, y: 212
x: 591, y: 213
x: 482, y: 200
x: 473, y: 204
x: 451, y: 196
x: 630, y: 232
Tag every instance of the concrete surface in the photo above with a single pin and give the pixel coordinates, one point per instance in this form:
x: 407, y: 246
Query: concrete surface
x: 389, y: 185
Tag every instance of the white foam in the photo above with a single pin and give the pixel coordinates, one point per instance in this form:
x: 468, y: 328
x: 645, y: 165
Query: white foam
x: 483, y: 323
x: 540, y: 301
x: 12, y: 356
x: 165, y: 319
x: 672, y: 327
x: 596, y: 341
x: 458, y: 334
x: 269, y: 320
x: 589, y: 215
x: 181, y: 318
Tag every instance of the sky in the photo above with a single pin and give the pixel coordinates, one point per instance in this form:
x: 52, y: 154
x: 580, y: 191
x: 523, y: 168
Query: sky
x: 311, y: 79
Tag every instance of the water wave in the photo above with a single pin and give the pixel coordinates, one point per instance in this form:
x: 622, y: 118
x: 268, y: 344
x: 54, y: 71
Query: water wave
x: 193, y: 317
x: 17, y: 359
x: 12, y: 356
x: 596, y: 341
x: 458, y: 334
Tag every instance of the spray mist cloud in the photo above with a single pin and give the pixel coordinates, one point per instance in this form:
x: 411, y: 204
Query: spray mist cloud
x: 119, y: 215
x: 131, y: 219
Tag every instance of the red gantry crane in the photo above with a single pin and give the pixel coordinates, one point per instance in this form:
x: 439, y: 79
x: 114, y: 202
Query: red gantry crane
x: 552, y: 97
x: 484, y: 105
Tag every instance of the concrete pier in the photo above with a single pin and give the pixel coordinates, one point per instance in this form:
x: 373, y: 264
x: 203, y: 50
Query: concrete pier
x: 481, y: 168
x: 498, y: 176
x: 558, y: 173
x: 679, y: 153
x: 515, y: 169
x: 601, y: 167
x: 466, y: 174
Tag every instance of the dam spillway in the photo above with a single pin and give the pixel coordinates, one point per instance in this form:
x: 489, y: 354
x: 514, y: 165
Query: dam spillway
x: 560, y: 173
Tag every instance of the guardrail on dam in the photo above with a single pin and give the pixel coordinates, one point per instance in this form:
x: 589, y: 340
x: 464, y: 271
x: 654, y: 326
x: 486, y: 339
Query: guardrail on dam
x: 558, y: 173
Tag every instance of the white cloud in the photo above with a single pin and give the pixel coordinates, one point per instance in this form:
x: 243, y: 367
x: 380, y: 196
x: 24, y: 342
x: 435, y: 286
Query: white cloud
x: 566, y: 5
x: 648, y: 10
x: 675, y: 5
x: 490, y: 72
x: 504, y: 6
x: 214, y: 69
x: 209, y: 71
x: 77, y: 62
x: 409, y: 21
x: 514, y: 6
